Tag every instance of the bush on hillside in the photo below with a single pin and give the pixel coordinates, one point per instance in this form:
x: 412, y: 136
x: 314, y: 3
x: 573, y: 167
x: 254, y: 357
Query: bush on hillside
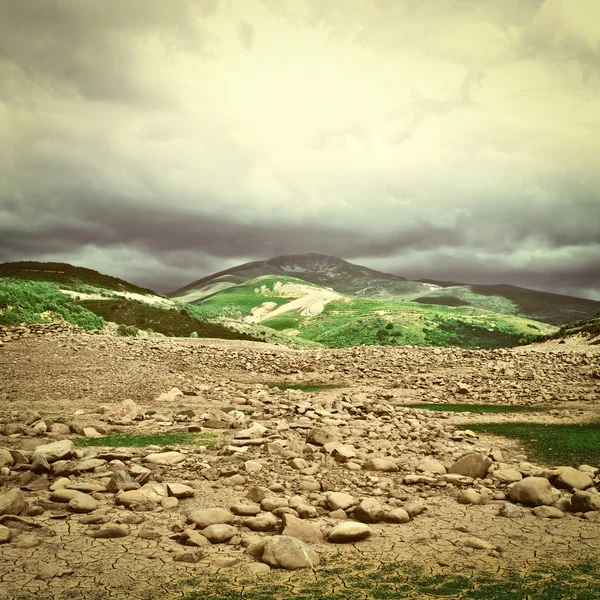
x: 127, y: 330
x: 41, y: 302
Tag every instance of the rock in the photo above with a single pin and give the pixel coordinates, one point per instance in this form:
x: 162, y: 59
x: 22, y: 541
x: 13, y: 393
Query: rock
x: 59, y: 429
x: 6, y: 458
x: 219, y: 533
x: 12, y: 502
x: 257, y: 493
x: 245, y: 510
x: 349, y: 532
x: 572, y: 479
x: 258, y: 569
x: 191, y: 537
x: 532, y: 491
x: 128, y: 410
x: 54, y: 451
x: 122, y: 481
x: 340, y: 500
x: 82, y: 503
x: 414, y: 508
x: 507, y: 476
x: 387, y: 465
x: 191, y: 557
x: 430, y: 465
x: 91, y: 432
x: 109, y: 531
x: 5, y: 534
x: 580, y: 500
x: 273, y: 502
x: 205, y: 517
x: 370, y: 511
x: 297, y: 528
x: 478, y: 544
x: 398, y: 515
x: 251, y: 466
x: 262, y: 523
x: 135, y: 497
x: 548, y: 512
x: 470, y: 497
x: 165, y: 458
x: 510, y: 511
x: 320, y: 436
x: 289, y: 553
x: 169, y: 502
x: 180, y: 491
x: 90, y: 464
x: 472, y: 465
x: 170, y: 396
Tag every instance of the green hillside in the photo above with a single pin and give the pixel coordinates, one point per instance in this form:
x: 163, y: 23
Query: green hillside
x: 78, y: 279
x: 349, y: 320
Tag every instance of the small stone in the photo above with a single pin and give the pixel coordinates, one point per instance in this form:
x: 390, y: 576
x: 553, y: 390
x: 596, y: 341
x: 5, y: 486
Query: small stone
x: 302, y: 530
x: 165, y: 458
x: 191, y: 537
x: 532, y: 491
x: 470, y: 497
x: 289, y: 553
x: 169, y: 503
x: 472, y: 465
x: 478, y: 544
x: 349, y: 532
x: 340, y: 500
x: 370, y: 511
x: 262, y: 523
x: 548, y: 512
x: 414, y: 508
x: 82, y: 503
x: 5, y: 534
x: 204, y: 517
x: 245, y: 510
x: 398, y: 515
x: 109, y: 531
x: 191, y: 557
x: 510, y: 511
x: 12, y: 502
x: 381, y: 464
x: 219, y: 534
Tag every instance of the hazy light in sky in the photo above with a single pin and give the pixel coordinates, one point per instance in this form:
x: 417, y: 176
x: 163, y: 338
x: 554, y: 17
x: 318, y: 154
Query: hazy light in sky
x: 162, y: 140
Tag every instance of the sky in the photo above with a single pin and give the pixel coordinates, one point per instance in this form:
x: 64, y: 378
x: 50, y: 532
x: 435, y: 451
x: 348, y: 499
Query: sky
x: 161, y: 141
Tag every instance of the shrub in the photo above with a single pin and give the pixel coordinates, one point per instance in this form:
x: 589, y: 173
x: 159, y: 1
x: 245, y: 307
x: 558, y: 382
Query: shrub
x: 127, y: 330
x: 194, y: 334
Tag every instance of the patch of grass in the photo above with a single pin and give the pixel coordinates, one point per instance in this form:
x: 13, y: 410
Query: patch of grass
x: 304, y: 388
x: 553, y: 444
x: 24, y: 301
x: 132, y: 440
x: 580, y: 581
x: 477, y: 408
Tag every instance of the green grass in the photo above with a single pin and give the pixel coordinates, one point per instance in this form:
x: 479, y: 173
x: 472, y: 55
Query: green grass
x: 552, y: 444
x: 579, y: 581
x: 304, y: 388
x: 131, y: 440
x: 477, y: 408
x: 41, y: 302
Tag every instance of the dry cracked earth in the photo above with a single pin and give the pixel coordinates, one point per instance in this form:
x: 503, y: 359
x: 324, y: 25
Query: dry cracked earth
x: 350, y: 471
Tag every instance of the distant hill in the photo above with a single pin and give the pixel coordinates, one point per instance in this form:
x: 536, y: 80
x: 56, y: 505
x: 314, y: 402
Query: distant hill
x: 308, y: 311
x: 588, y: 328
x: 319, y: 269
x: 68, y: 276
x: 355, y: 280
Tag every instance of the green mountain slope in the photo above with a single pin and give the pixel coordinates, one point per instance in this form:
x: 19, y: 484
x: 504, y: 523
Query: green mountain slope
x: 307, y: 311
x: 354, y: 280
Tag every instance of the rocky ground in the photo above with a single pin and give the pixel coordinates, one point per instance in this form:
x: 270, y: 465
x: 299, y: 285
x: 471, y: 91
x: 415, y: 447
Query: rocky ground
x: 294, y: 479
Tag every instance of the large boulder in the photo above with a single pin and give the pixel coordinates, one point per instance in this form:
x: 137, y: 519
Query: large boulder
x: 289, y: 553
x: 472, y: 465
x: 532, y: 491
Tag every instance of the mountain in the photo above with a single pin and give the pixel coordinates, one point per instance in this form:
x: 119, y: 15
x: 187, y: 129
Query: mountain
x: 355, y: 280
x: 319, y: 269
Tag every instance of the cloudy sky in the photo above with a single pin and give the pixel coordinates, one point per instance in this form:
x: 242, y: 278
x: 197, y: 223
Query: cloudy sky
x: 162, y: 140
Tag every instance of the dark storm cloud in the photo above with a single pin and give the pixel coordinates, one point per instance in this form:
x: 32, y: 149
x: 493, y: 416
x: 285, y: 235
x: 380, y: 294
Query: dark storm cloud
x: 160, y: 141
